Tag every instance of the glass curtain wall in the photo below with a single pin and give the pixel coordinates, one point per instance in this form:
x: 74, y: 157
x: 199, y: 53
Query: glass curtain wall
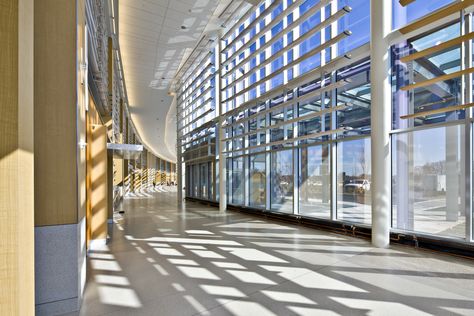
x: 297, y: 117
x: 428, y: 158
x: 315, y: 181
x: 282, y: 181
x: 257, y: 175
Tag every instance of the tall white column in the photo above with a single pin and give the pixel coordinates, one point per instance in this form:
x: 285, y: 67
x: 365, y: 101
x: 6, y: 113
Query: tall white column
x: 221, y: 132
x: 380, y: 15
x: 179, y: 149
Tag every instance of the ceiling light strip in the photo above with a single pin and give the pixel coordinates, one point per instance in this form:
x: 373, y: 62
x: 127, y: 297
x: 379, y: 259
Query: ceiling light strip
x: 316, y: 50
x: 295, y: 82
x: 317, y: 7
x: 294, y: 120
x: 295, y: 62
x: 307, y: 97
x: 292, y: 140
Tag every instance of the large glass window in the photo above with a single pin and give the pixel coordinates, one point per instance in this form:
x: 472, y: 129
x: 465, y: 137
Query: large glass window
x: 357, y: 21
x: 282, y: 184
x: 257, y: 180
x: 315, y: 182
x: 195, y: 178
x: 428, y: 181
x: 354, y: 181
x: 204, y: 181
x: 438, y: 95
x: 356, y: 96
x: 402, y: 15
x: 238, y: 181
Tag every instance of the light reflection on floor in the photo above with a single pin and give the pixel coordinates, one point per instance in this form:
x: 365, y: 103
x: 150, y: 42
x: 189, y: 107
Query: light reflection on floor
x: 165, y: 260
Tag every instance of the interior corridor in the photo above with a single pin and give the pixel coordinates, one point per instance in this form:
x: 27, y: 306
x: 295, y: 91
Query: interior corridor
x: 194, y: 260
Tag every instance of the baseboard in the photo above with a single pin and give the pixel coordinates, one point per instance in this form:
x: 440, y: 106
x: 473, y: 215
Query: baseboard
x: 57, y: 307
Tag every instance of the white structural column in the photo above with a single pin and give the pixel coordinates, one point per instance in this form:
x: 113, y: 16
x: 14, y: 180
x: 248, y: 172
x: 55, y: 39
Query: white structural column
x: 380, y: 15
x: 221, y: 131
x: 179, y: 147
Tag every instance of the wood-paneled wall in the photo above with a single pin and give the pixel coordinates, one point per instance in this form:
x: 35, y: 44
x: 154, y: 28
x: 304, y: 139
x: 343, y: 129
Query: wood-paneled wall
x: 56, y: 143
x: 16, y: 158
x: 99, y: 182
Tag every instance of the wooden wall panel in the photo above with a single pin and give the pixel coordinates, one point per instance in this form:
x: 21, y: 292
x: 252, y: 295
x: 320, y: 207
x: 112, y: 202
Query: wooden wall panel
x: 82, y: 104
x: 99, y: 182
x: 110, y: 184
x: 56, y: 144
x: 16, y: 158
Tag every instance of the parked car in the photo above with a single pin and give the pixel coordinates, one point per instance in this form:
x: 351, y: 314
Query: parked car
x: 359, y: 185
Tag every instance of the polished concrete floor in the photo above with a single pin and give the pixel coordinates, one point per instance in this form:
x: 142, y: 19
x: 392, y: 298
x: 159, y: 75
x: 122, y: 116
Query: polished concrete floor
x: 193, y: 260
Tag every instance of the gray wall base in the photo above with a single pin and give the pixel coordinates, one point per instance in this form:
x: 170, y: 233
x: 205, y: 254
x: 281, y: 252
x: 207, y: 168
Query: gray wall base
x: 60, y: 268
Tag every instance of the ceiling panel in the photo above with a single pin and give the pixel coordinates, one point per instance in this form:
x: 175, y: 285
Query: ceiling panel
x: 153, y: 42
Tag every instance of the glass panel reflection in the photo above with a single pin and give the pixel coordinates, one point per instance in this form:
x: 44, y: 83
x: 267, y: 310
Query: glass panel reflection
x: 315, y: 182
x: 257, y: 180
x: 238, y: 180
x: 282, y: 183
x: 428, y: 181
x: 354, y: 181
